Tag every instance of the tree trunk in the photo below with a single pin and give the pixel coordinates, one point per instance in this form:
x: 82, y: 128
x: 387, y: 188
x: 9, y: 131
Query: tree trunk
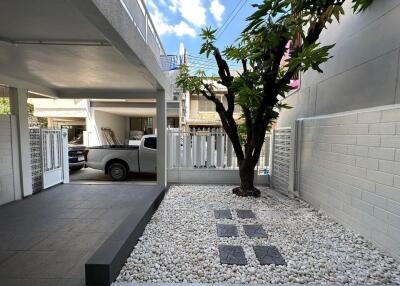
x: 246, y: 173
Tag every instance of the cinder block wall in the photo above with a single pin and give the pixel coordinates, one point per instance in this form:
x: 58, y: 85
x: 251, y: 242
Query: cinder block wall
x: 350, y: 167
x: 6, y: 161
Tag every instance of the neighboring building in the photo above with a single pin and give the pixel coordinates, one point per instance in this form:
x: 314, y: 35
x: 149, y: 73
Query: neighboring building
x: 200, y: 112
x: 85, y: 118
x: 347, y: 138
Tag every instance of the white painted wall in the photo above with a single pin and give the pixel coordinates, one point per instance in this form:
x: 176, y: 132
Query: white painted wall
x: 350, y: 168
x: 108, y: 120
x: 364, y: 70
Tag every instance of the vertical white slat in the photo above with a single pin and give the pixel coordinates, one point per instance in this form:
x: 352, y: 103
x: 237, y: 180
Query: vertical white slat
x: 177, y: 149
x: 212, y: 150
x: 209, y: 151
x: 229, y: 153
x: 198, y: 151
x: 267, y: 142
x: 169, y: 148
x: 188, y: 150
x: 203, y: 150
x: 219, y: 150
x: 194, y: 149
x: 222, y: 150
x: 48, y: 150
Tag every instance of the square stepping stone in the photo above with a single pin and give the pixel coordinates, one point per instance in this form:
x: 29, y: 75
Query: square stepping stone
x: 233, y: 255
x: 222, y: 214
x: 267, y: 255
x: 227, y: 230
x: 254, y: 230
x: 245, y: 214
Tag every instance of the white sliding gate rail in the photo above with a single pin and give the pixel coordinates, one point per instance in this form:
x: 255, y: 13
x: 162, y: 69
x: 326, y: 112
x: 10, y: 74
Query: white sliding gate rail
x: 207, y: 156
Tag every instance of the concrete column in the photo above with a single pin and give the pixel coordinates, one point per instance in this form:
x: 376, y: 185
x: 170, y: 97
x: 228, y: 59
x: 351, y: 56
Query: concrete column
x: 19, y: 108
x: 161, y: 139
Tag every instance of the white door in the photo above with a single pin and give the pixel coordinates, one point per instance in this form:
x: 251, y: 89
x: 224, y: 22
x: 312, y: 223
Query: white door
x: 52, y: 152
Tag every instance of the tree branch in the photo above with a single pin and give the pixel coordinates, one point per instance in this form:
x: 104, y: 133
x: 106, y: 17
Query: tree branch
x: 314, y: 32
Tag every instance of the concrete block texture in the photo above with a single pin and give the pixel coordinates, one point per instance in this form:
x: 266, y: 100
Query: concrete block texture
x: 352, y: 171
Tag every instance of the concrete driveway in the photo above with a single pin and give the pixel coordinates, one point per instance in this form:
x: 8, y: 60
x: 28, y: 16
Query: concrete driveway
x: 47, y: 238
x: 92, y: 176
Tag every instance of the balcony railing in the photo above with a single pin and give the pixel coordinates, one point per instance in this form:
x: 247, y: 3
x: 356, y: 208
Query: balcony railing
x: 141, y: 19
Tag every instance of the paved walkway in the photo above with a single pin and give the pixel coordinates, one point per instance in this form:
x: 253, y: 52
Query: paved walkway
x: 47, y: 238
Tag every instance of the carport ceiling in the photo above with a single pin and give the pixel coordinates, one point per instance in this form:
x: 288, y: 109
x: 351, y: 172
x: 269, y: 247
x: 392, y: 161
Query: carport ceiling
x: 82, y: 58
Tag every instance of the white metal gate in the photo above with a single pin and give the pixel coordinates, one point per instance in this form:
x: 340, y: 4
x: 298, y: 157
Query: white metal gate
x: 52, y: 157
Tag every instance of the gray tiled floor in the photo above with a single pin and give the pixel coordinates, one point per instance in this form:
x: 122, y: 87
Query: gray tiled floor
x: 47, y: 238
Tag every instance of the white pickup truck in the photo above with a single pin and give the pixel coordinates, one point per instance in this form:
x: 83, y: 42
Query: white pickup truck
x: 118, y: 160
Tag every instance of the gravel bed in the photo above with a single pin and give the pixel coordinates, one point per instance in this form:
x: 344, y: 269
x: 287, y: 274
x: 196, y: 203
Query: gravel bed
x: 180, y: 243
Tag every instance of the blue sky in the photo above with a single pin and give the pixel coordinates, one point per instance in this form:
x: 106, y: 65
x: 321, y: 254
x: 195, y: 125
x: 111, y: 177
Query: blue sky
x: 181, y: 21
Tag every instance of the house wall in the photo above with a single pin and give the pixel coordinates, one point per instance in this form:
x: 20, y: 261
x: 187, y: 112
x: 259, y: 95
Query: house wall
x: 107, y: 120
x: 349, y: 166
x: 364, y: 70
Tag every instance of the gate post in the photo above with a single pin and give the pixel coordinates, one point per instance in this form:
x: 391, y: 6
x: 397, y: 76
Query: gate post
x: 271, y: 157
x: 65, y: 159
x: 161, y: 139
x: 19, y: 108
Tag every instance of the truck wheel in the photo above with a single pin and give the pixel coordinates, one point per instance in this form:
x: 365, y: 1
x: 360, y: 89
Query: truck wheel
x: 117, y: 171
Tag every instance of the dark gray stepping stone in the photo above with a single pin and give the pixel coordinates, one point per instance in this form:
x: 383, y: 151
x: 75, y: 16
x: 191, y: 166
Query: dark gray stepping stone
x: 233, y: 255
x: 254, y: 230
x: 245, y: 214
x: 267, y: 255
x: 227, y: 230
x: 223, y: 214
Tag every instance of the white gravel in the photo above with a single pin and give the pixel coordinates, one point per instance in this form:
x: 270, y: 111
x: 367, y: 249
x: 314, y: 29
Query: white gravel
x: 180, y: 243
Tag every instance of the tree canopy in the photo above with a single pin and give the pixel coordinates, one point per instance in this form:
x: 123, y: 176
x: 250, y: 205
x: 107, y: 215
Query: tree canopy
x: 266, y: 73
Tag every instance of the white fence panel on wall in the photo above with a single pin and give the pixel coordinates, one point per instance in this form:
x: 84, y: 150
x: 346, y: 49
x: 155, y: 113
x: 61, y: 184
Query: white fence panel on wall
x: 207, y: 156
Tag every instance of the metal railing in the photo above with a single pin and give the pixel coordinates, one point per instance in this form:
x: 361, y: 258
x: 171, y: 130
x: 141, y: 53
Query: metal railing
x: 141, y: 19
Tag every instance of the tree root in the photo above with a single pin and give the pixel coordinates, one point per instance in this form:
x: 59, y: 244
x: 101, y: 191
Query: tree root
x: 251, y: 192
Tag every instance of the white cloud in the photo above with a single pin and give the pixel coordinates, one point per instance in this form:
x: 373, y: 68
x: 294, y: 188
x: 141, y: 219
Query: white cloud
x: 217, y: 10
x: 192, y: 11
x: 164, y: 27
x: 184, y: 29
